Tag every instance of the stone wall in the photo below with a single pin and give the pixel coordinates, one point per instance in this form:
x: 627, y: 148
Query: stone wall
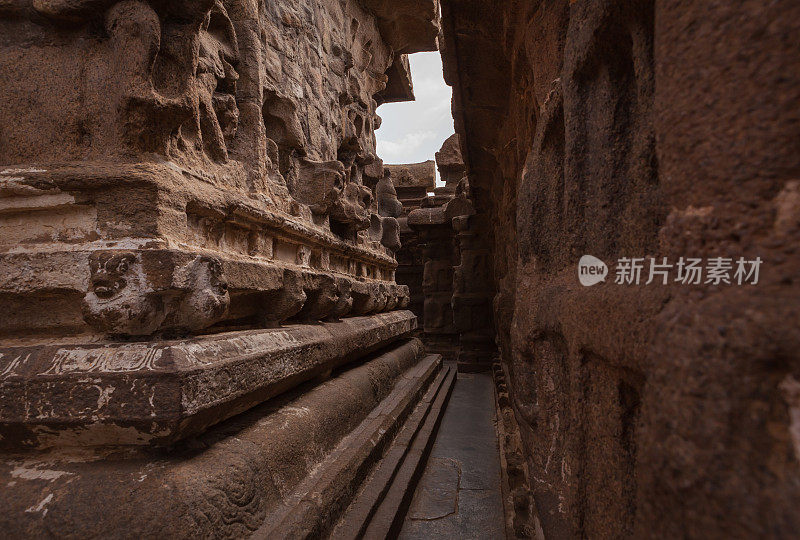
x: 443, y: 261
x: 186, y: 190
x: 644, y: 128
x: 413, y: 182
x: 184, y: 170
x: 229, y: 143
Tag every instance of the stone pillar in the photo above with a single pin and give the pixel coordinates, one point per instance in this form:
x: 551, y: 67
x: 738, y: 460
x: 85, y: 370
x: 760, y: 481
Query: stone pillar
x: 412, y: 182
x: 440, y: 255
x: 444, y: 244
x: 473, y: 292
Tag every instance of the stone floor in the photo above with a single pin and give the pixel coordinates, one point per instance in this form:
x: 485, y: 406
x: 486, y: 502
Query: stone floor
x: 459, y: 495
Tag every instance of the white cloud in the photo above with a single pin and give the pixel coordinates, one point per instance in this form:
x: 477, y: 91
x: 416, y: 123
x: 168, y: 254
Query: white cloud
x: 410, y: 143
x: 414, y: 131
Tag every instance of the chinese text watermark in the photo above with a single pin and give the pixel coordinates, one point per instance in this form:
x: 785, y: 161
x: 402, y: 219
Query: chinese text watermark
x: 686, y: 271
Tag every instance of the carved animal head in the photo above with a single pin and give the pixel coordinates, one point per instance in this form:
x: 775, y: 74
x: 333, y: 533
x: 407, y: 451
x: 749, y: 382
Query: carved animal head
x: 110, y: 273
x: 319, y: 184
x: 351, y: 207
x: 119, y: 299
x: 206, y: 299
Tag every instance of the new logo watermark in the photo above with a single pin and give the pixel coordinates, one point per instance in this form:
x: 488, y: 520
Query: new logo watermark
x: 686, y: 271
x: 591, y: 270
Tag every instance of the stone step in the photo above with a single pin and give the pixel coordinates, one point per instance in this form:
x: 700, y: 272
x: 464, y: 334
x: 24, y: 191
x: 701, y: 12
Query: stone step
x: 460, y: 492
x: 317, y: 502
x: 379, y: 509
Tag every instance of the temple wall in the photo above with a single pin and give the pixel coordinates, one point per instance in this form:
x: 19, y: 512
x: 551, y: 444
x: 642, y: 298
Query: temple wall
x: 649, y: 128
x: 237, y: 136
x: 413, y: 182
x: 193, y: 221
x: 444, y: 261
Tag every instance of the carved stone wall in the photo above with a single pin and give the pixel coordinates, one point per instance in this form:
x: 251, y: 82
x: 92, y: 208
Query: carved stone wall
x: 444, y: 262
x: 184, y: 188
x: 646, y: 128
x: 413, y: 182
x: 177, y: 170
x: 149, y: 150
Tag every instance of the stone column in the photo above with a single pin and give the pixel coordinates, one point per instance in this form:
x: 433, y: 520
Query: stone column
x: 412, y: 183
x: 439, y: 252
x: 473, y: 292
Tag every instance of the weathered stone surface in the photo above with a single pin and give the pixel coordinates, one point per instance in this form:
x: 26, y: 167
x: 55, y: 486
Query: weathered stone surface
x: 520, y: 508
x: 640, y: 129
x: 408, y: 26
x: 177, y: 181
x: 449, y: 161
x: 399, y: 86
x: 224, y: 483
x: 413, y: 174
x: 459, y: 495
x: 453, y: 291
x: 388, y: 204
x: 357, y: 476
x: 239, y: 138
x: 156, y: 393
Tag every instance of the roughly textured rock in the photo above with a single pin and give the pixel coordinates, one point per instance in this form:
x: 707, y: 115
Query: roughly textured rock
x: 186, y: 190
x: 413, y: 174
x: 399, y: 87
x: 640, y: 129
x: 449, y: 161
x: 408, y: 26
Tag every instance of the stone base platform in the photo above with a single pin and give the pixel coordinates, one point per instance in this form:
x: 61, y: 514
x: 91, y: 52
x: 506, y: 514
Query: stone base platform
x: 276, y: 466
x: 156, y: 393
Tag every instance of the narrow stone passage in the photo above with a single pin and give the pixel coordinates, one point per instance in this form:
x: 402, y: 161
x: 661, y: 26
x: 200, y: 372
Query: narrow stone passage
x: 459, y: 494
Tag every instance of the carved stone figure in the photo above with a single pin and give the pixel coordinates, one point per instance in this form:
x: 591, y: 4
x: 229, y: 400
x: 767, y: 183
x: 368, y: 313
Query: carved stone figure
x: 388, y: 203
x: 390, y: 233
x: 120, y: 300
x: 282, y: 304
x: 179, y: 179
x: 219, y: 53
x: 344, y: 302
x: 319, y: 184
x: 350, y: 207
x: 204, y: 299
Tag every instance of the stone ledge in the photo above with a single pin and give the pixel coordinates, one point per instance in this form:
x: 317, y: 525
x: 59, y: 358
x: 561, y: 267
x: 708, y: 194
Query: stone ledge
x: 161, y: 290
x: 413, y: 175
x: 222, y: 484
x: 198, y: 212
x: 408, y: 26
x: 160, y: 392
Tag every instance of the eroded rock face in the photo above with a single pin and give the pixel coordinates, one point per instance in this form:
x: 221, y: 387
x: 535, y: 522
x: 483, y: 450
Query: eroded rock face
x: 187, y: 171
x: 449, y: 161
x: 635, y: 129
x: 243, y: 131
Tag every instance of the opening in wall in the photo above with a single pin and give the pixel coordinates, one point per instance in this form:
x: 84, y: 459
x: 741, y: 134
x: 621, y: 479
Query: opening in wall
x: 413, y: 131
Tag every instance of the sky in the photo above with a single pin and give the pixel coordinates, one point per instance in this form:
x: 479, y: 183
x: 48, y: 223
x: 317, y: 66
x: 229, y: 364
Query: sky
x: 414, y: 131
